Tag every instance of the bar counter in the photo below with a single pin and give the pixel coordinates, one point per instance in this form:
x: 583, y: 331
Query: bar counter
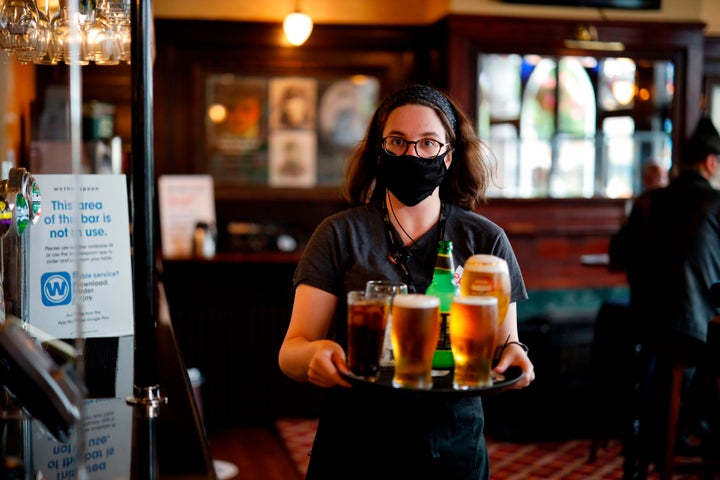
x: 230, y: 314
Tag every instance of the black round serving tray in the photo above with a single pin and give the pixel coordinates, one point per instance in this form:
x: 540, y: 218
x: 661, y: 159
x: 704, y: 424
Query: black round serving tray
x: 442, y: 383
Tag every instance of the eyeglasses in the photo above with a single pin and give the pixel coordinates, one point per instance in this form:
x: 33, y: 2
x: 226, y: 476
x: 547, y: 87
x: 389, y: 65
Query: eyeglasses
x: 425, y: 148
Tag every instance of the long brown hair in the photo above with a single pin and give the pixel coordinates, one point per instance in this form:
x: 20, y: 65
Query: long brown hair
x: 469, y: 174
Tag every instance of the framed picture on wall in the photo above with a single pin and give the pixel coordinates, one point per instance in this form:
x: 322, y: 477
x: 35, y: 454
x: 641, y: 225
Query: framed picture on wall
x: 293, y: 103
x: 284, y: 131
x: 236, y: 126
x: 292, y: 158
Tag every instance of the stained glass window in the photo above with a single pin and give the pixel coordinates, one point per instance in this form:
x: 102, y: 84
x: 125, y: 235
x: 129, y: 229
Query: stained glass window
x: 565, y: 127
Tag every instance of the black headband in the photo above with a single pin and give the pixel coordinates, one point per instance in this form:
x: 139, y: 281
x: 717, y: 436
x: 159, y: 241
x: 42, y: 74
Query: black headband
x: 425, y: 94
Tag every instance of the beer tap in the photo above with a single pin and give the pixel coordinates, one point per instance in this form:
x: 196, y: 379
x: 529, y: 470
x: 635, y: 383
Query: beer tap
x: 30, y: 378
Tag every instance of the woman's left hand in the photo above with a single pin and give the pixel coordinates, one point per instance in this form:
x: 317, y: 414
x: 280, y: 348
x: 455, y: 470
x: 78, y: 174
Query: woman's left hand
x: 514, y: 354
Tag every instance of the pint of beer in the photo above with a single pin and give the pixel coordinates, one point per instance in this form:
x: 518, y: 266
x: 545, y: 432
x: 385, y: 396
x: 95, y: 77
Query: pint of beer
x: 367, y: 319
x: 415, y: 330
x: 487, y: 275
x: 473, y: 334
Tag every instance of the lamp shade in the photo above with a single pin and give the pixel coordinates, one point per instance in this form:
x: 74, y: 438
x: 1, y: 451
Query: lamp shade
x: 297, y: 27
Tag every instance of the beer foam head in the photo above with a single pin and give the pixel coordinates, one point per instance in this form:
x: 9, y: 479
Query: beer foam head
x: 480, y: 300
x: 483, y: 262
x: 416, y: 300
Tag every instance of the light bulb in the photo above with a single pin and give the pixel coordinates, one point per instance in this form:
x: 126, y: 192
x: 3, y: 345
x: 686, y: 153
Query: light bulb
x: 623, y: 91
x: 297, y: 27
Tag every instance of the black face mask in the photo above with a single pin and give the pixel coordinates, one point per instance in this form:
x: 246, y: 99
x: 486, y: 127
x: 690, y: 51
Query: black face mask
x: 411, y: 179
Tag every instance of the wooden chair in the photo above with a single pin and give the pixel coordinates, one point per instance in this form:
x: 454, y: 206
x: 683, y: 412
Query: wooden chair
x: 673, y: 463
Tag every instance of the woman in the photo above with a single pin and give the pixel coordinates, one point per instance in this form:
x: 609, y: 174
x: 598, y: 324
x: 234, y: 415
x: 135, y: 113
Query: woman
x: 414, y: 180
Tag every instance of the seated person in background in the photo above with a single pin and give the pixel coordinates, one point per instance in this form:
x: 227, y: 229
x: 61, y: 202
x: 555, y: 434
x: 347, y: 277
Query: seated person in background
x: 654, y: 175
x: 670, y: 249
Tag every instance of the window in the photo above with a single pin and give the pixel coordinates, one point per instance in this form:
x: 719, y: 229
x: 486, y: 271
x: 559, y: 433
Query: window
x: 573, y: 126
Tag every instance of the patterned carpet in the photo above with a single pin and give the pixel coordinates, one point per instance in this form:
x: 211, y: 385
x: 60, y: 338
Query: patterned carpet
x: 566, y: 460
x: 298, y: 435
x: 554, y: 460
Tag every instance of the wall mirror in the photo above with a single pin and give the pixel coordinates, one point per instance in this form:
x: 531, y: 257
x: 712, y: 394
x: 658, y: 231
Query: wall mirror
x: 574, y: 126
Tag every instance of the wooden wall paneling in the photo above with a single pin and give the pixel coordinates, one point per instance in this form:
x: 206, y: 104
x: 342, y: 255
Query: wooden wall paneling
x: 711, y: 64
x: 297, y: 216
x: 711, y: 77
x: 550, y: 236
x: 231, y: 331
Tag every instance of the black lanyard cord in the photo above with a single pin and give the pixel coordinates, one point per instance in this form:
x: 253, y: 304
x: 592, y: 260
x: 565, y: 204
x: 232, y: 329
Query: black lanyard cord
x: 399, y: 254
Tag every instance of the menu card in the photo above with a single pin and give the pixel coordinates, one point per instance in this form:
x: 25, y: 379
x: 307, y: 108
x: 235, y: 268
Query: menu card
x: 185, y: 200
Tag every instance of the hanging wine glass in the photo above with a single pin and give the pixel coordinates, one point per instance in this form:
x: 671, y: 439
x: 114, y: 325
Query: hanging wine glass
x: 18, y: 26
x: 44, y: 52
x: 116, y: 12
x: 99, y: 39
x: 69, y: 36
x: 123, y: 40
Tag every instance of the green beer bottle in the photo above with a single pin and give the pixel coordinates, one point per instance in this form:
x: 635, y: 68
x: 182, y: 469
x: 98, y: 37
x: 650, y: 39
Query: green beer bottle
x: 443, y: 286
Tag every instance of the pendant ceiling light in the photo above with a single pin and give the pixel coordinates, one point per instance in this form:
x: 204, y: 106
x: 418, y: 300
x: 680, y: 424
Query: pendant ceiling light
x: 297, y: 26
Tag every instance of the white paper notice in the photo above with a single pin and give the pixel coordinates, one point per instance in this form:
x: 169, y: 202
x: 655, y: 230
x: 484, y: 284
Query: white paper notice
x: 185, y: 200
x: 107, y: 450
x: 86, y: 214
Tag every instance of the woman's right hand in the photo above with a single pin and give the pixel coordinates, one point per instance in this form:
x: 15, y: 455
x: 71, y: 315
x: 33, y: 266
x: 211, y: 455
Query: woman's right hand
x: 326, y: 364
x: 306, y: 354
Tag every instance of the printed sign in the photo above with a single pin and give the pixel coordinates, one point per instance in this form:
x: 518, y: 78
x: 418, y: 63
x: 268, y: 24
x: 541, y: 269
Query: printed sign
x: 106, y: 441
x: 185, y: 200
x: 80, y: 278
